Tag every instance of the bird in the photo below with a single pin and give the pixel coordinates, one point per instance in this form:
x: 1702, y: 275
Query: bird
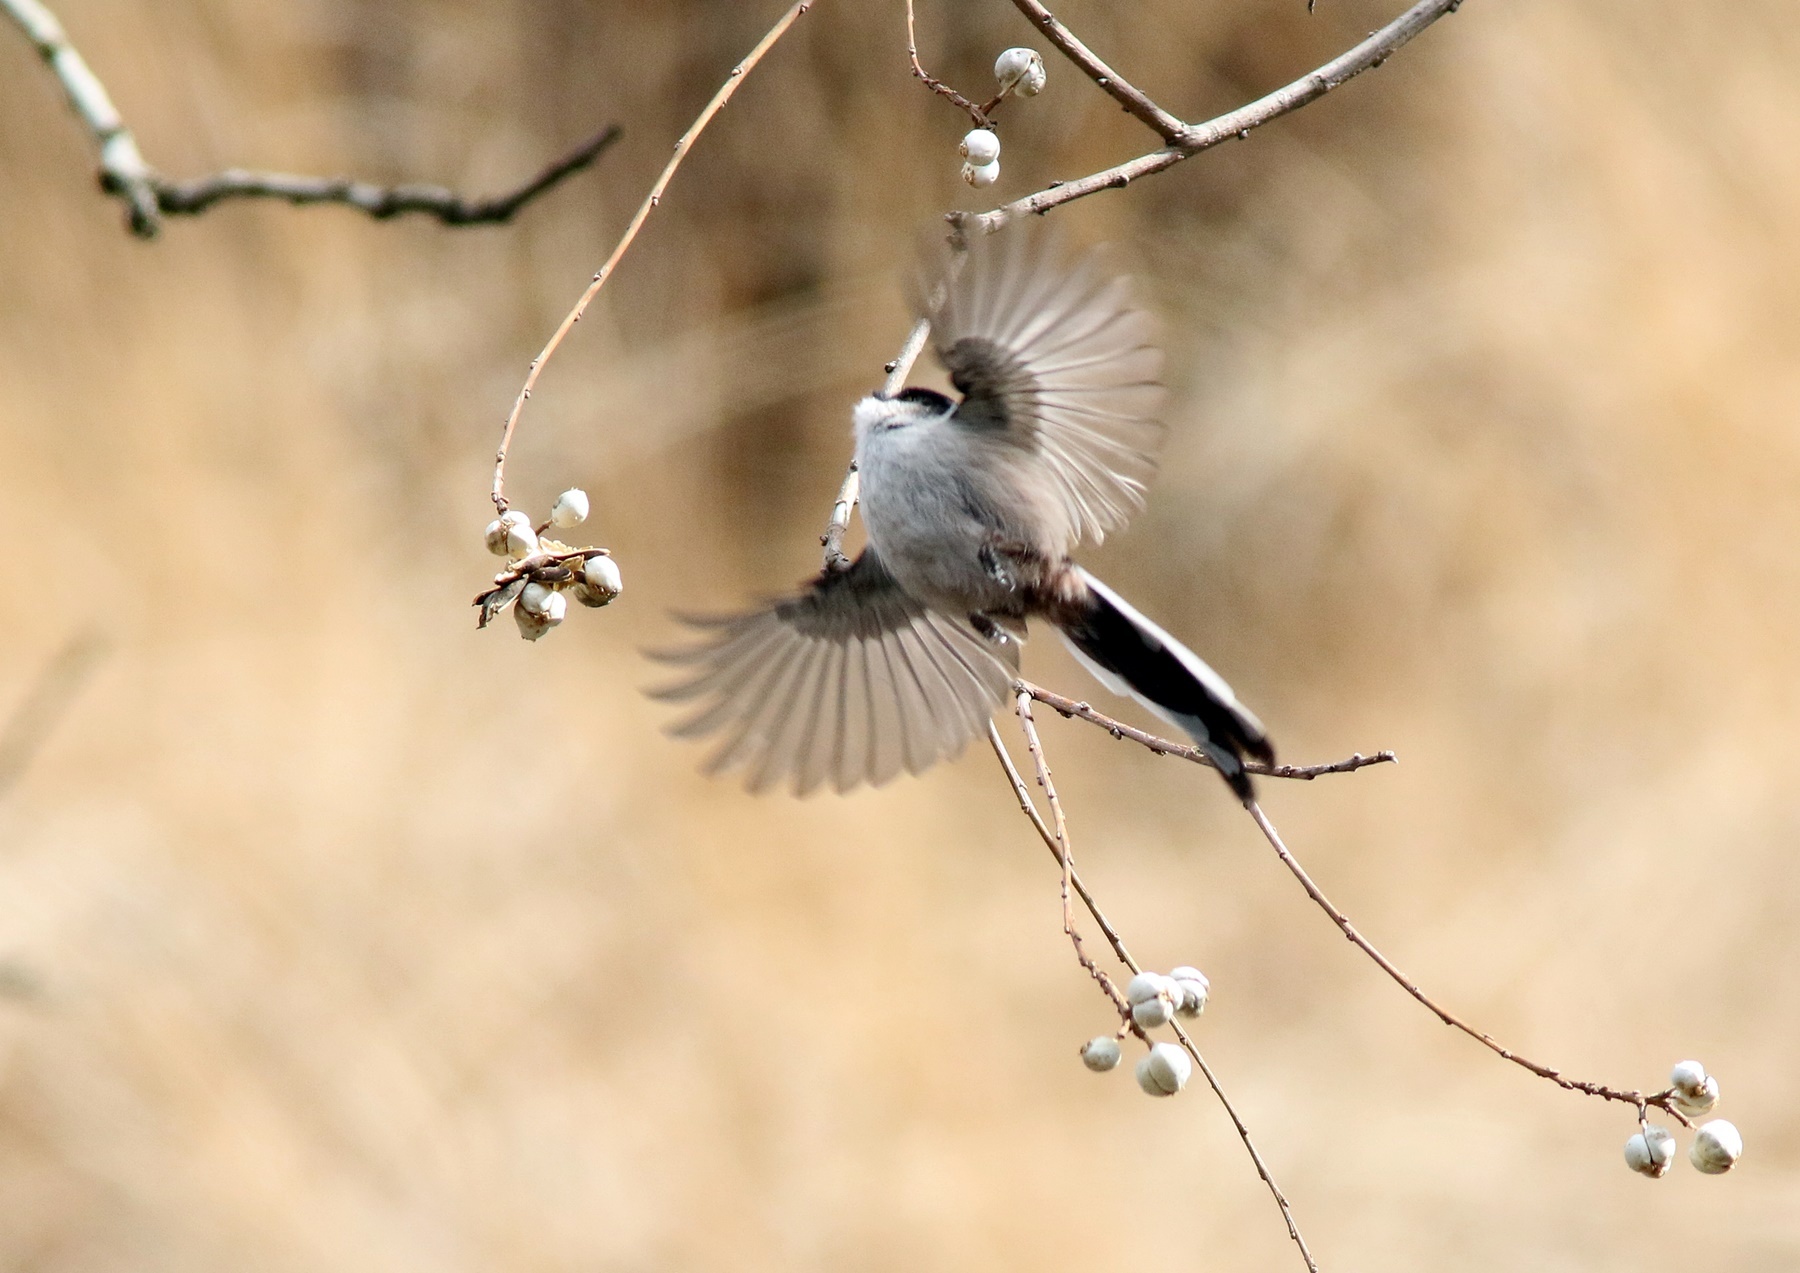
x: 972, y: 506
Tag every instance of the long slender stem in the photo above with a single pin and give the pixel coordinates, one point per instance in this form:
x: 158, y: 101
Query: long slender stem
x: 1059, y: 850
x: 1662, y: 1100
x: 1060, y: 833
x: 651, y: 200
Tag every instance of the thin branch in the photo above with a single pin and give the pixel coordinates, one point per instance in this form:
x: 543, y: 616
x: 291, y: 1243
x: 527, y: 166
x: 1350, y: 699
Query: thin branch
x: 1194, y: 138
x: 1030, y: 811
x: 651, y: 200
x: 1256, y: 1158
x: 149, y: 196
x: 46, y: 703
x: 1135, y: 102
x: 976, y: 113
x: 1058, y: 850
x: 1060, y: 833
x: 123, y: 170
x: 380, y: 202
x: 1164, y: 747
x: 1662, y: 1100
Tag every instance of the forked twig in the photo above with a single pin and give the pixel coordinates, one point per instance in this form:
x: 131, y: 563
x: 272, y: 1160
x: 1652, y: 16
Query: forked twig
x: 1057, y: 842
x: 651, y: 200
x: 978, y: 114
x: 1664, y: 1100
x: 1164, y: 747
x: 149, y: 196
x: 1191, y: 139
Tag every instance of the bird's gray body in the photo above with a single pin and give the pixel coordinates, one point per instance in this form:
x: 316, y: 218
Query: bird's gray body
x: 973, y: 506
x: 939, y: 495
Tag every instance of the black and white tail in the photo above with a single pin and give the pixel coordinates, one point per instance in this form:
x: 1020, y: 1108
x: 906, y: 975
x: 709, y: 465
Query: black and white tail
x: 1132, y: 656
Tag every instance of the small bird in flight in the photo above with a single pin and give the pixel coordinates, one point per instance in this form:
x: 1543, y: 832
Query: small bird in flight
x: 971, y: 507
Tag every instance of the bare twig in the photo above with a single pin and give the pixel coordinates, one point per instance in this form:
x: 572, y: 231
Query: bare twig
x: 1662, y: 1100
x: 1165, y: 125
x: 651, y: 200
x: 46, y: 703
x: 1059, y: 849
x: 380, y: 202
x: 1060, y: 833
x: 1194, y: 138
x: 1164, y: 747
x: 1030, y: 811
x: 149, y: 196
x: 979, y: 114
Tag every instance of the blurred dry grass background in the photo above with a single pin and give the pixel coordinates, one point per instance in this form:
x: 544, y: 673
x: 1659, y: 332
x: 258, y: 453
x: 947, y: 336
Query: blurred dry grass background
x: 341, y: 936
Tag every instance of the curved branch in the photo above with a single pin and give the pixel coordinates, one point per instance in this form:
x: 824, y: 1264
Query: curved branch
x: 682, y: 145
x: 1191, y: 139
x: 381, y: 202
x: 149, y: 196
x: 1664, y: 1100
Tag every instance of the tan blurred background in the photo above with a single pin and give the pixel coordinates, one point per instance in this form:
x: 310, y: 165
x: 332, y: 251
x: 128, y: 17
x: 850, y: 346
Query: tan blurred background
x: 339, y: 935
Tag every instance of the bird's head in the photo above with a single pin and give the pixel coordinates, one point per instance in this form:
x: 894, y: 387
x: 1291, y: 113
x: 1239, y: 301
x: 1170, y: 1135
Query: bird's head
x: 879, y: 412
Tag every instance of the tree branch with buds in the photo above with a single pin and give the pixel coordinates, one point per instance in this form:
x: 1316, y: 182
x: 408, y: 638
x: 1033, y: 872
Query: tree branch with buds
x: 149, y: 196
x: 1147, y: 988
x: 1683, y: 1100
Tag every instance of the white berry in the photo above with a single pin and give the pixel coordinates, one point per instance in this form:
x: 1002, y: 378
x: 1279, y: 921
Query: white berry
x: 1142, y: 986
x: 1650, y: 1152
x: 981, y: 146
x: 1152, y: 1013
x: 1717, y: 1147
x: 570, y: 509
x: 1191, y: 986
x: 1020, y: 71
x: 979, y: 175
x: 501, y: 530
x: 1164, y: 1070
x: 538, y: 610
x: 1687, y: 1076
x: 600, y: 582
x: 1701, y: 1100
x: 1100, y: 1054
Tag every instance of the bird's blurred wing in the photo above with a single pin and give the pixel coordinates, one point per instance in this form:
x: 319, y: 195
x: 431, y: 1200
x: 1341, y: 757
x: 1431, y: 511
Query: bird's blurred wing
x: 1057, y: 356
x: 848, y: 682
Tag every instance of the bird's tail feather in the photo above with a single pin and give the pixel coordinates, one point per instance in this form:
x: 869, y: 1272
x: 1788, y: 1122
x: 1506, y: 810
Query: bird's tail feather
x: 1132, y: 656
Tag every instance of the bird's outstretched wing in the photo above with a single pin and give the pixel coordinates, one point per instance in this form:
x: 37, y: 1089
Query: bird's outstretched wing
x: 1057, y: 357
x: 847, y: 682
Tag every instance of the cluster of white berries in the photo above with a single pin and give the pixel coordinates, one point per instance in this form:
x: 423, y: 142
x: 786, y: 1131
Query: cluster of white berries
x: 1154, y: 1000
x: 542, y: 573
x: 1021, y: 73
x: 1717, y: 1145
